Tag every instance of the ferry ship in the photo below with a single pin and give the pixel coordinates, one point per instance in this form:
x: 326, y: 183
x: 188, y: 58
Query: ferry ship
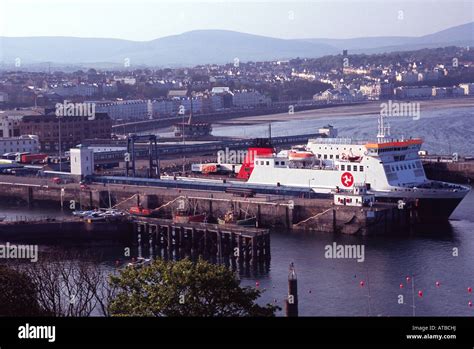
x: 390, y: 168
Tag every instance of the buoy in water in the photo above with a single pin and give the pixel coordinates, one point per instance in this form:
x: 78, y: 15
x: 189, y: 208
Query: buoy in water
x: 469, y: 303
x: 469, y: 289
x: 257, y: 284
x: 401, y: 285
x: 420, y: 293
x: 438, y: 284
x: 362, y: 283
x: 408, y: 279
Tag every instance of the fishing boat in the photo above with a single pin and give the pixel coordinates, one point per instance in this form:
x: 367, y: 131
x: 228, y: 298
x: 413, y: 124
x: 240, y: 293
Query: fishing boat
x: 230, y: 219
x: 183, y: 217
x: 140, y: 211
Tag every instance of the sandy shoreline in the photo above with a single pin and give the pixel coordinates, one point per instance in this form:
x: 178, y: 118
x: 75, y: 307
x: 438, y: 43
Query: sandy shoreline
x: 364, y: 109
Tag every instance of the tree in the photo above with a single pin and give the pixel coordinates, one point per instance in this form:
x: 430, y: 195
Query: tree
x: 184, y: 288
x: 67, y: 284
x: 17, y: 294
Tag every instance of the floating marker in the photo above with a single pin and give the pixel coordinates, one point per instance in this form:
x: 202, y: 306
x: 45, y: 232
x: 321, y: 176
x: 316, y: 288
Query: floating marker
x: 362, y: 283
x: 420, y: 293
x: 469, y: 303
x: 401, y: 285
x: 438, y: 284
x: 309, y: 291
x: 257, y: 284
x: 469, y: 289
x: 408, y: 279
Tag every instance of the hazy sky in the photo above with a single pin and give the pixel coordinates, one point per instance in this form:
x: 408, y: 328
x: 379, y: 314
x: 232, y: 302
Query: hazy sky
x: 151, y: 19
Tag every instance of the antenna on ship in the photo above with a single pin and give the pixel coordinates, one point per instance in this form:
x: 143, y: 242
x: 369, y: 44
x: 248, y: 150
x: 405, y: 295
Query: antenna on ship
x: 383, y: 130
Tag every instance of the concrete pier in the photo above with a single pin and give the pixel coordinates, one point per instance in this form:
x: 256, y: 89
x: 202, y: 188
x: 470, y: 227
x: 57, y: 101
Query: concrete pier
x: 278, y: 211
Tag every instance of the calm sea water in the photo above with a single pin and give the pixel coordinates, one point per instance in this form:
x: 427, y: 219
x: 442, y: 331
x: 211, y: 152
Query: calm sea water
x: 331, y: 287
x: 444, y: 130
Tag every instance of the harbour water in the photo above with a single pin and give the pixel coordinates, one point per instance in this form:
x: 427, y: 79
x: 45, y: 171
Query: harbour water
x: 332, y: 287
x: 444, y: 130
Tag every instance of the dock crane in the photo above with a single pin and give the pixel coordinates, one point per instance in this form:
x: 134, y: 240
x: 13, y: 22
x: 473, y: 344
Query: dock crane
x: 130, y: 155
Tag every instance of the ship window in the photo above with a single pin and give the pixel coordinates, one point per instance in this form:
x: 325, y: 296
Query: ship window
x: 337, y: 156
x: 331, y: 156
x: 319, y: 156
x: 355, y: 168
x: 325, y: 156
x: 268, y: 163
x: 348, y: 167
x: 277, y: 162
x: 343, y: 167
x: 361, y: 168
x: 283, y: 163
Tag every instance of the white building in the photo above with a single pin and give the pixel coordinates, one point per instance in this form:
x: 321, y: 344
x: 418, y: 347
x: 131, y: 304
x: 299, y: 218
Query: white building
x: 123, y: 110
x: 22, y: 144
x: 82, y: 161
x: 84, y: 90
x: 428, y: 76
x: 9, y: 125
x: 408, y: 77
x: 244, y: 98
x: 468, y: 88
x: 414, y: 92
x: 163, y: 107
x: 358, y: 196
x: 329, y: 131
x: 3, y: 97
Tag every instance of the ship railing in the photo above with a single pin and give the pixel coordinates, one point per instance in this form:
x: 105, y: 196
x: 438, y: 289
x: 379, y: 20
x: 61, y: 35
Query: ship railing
x: 335, y: 141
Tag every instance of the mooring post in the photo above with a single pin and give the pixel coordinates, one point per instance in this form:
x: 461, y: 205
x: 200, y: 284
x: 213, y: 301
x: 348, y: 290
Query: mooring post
x: 219, y: 246
x: 292, y: 300
x: 253, y: 241
x: 239, y: 249
x: 233, y: 254
x: 259, y: 218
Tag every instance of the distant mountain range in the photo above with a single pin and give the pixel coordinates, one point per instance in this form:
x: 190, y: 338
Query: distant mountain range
x: 208, y: 46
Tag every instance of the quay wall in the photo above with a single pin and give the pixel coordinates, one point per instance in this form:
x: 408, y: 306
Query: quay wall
x: 270, y: 210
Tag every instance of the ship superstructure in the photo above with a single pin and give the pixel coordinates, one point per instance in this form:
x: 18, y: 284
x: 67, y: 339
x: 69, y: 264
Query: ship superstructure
x: 390, y: 168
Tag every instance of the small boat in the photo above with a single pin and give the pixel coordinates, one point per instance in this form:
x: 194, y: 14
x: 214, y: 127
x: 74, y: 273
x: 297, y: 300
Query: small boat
x: 112, y: 215
x: 140, y: 262
x: 229, y: 219
x: 140, y: 211
x: 95, y: 217
x: 83, y: 214
x: 247, y: 222
x: 184, y: 217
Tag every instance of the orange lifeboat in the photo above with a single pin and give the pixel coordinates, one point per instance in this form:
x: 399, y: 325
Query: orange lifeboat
x: 299, y: 154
